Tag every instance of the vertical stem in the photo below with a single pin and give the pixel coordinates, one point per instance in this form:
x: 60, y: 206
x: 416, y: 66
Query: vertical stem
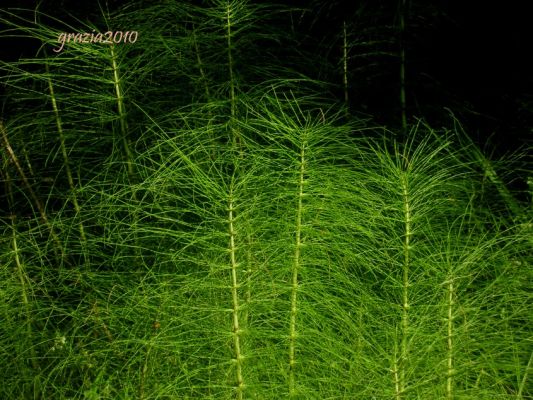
x: 235, y: 134
x: 127, y: 151
x: 395, y: 371
x: 405, y: 282
x: 25, y: 301
x: 345, y: 64
x: 235, y: 299
x: 27, y: 159
x: 530, y: 186
x: 59, y: 124
x: 206, y: 88
x: 360, y: 336
x: 23, y: 278
x: 121, y: 112
x: 451, y: 303
x: 295, y: 270
x: 201, y: 66
x: 403, y: 106
x: 40, y: 207
x: 145, y: 368
x: 248, y: 274
x: 524, y: 378
x: 230, y: 59
x: 24, y: 292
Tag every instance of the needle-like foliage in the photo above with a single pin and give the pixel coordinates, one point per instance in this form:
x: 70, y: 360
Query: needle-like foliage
x: 176, y: 224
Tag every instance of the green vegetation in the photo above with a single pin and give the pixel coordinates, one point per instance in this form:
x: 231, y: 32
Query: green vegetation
x: 190, y: 217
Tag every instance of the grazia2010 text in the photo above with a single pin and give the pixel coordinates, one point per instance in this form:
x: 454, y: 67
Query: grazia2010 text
x: 108, y: 37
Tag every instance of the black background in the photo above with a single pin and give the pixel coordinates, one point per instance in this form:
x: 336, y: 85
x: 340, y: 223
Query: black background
x: 471, y: 56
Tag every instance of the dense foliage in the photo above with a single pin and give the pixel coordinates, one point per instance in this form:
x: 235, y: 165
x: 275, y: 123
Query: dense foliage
x: 191, y: 216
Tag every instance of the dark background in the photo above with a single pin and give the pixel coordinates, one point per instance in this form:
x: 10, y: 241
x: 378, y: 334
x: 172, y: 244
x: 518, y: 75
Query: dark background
x: 473, y: 57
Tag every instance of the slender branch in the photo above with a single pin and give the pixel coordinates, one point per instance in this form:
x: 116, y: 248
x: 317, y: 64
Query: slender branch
x: 201, y: 66
x: 33, y: 195
x: 524, y: 378
x: 70, y: 179
x: 395, y: 373
x: 402, y: 12
x: 405, y: 281
x: 295, y: 270
x: 24, y: 293
x: 121, y: 112
x: 230, y: 59
x: 235, y: 134
x: 235, y: 298
x: 450, y: 372
x: 345, y: 64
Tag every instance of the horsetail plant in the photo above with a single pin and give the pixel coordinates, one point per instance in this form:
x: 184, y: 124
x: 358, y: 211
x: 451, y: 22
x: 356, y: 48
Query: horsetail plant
x: 241, y: 239
x: 64, y: 153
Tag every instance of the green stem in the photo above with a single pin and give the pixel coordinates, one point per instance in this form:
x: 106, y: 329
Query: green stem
x: 235, y: 134
x: 248, y: 274
x: 524, y: 378
x: 403, y: 105
x: 295, y: 270
x: 450, y: 372
x: 201, y: 67
x: 40, y: 207
x: 395, y: 372
x: 230, y: 59
x: 24, y: 293
x: 235, y: 298
x: 205, y: 82
x: 70, y: 179
x: 121, y: 112
x: 117, y: 83
x: 27, y: 159
x: 345, y: 64
x: 25, y: 300
x: 405, y: 281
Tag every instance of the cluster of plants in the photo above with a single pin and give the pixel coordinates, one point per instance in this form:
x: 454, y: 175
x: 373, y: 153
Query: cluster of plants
x: 191, y: 216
